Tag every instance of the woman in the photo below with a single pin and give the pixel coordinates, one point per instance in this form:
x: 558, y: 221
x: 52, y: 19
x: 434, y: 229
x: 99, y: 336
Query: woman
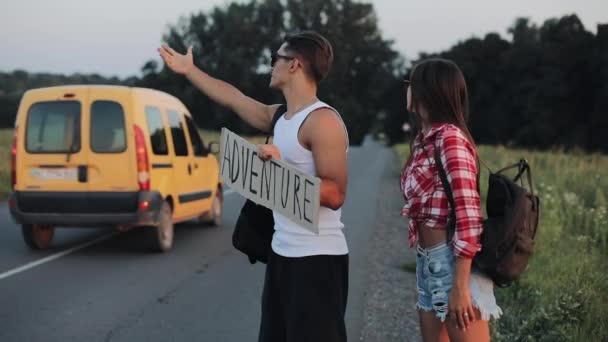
x: 454, y: 302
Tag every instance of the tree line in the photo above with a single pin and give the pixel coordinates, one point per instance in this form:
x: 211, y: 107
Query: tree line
x: 544, y: 86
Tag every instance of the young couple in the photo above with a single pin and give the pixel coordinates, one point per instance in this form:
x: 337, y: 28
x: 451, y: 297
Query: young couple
x: 306, y: 282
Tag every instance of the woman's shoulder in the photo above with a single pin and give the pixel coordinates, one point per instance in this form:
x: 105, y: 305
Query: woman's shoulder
x: 451, y: 135
x: 444, y: 133
x: 448, y: 130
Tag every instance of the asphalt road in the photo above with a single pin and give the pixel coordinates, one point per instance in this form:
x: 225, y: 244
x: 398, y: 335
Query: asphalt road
x: 113, y: 289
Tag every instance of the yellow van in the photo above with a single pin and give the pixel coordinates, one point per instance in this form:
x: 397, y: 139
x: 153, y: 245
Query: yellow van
x: 110, y: 156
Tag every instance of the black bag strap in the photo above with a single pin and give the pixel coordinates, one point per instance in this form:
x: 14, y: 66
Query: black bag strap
x: 522, y: 167
x: 277, y: 115
x: 448, y: 190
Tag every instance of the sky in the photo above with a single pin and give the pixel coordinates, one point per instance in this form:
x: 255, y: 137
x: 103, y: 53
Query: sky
x: 116, y: 37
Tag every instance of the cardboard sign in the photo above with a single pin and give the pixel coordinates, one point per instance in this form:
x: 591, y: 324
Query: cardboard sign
x: 274, y: 184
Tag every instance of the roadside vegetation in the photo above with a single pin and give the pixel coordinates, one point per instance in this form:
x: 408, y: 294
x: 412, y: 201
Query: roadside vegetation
x: 563, y: 294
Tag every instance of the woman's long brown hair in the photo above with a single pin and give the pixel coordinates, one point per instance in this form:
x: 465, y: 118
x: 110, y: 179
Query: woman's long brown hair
x: 438, y: 86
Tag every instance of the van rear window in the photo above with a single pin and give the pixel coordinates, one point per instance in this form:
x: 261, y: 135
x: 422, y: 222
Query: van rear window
x: 53, y: 127
x: 107, y: 127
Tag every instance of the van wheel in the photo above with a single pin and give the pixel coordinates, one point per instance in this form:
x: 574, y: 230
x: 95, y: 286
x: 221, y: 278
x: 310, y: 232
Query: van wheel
x: 37, y: 236
x: 161, y: 237
x: 215, y: 214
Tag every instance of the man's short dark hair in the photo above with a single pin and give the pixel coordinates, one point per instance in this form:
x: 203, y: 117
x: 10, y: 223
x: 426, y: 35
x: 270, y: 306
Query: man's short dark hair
x: 315, y: 50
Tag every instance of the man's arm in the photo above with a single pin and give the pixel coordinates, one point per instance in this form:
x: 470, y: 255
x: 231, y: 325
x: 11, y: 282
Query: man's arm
x: 253, y: 112
x: 324, y: 134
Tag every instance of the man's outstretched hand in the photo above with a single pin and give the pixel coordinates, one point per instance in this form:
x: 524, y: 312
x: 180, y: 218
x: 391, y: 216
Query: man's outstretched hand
x: 177, y: 62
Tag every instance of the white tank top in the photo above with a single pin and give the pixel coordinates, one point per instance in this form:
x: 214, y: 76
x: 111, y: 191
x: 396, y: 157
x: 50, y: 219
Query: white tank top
x: 291, y: 239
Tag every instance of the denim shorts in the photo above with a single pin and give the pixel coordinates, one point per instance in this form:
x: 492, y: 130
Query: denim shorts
x: 434, y: 277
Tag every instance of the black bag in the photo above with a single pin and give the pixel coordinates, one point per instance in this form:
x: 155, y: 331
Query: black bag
x: 510, y: 228
x: 255, y: 226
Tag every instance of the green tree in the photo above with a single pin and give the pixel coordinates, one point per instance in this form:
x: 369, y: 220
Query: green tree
x: 234, y: 43
x: 598, y: 123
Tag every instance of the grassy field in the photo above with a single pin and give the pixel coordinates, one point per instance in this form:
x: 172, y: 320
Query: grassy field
x: 563, y: 295
x: 6, y: 136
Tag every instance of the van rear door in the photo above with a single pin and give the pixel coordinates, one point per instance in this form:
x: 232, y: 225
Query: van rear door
x: 53, y: 157
x: 110, y: 141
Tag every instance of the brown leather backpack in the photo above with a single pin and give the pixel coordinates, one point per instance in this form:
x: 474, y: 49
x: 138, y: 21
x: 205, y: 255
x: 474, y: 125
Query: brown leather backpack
x: 509, y: 230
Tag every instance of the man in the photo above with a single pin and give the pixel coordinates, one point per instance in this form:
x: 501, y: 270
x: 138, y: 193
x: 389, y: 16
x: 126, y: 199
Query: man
x: 306, y: 283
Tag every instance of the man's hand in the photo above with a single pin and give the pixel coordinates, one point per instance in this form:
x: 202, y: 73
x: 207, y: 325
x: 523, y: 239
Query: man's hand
x: 253, y: 112
x: 267, y: 152
x: 177, y: 62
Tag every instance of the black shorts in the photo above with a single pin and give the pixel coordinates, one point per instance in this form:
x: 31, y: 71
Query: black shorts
x: 304, y: 299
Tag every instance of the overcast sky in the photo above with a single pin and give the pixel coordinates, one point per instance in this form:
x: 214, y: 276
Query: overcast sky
x: 116, y: 37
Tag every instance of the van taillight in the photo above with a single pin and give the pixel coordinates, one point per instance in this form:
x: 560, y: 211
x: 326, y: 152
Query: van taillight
x: 143, y: 168
x: 14, y: 161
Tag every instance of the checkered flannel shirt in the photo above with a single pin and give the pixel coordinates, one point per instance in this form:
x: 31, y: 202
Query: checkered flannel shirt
x: 426, y: 203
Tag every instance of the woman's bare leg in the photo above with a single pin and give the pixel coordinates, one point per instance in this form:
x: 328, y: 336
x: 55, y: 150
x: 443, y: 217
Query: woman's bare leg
x: 431, y: 327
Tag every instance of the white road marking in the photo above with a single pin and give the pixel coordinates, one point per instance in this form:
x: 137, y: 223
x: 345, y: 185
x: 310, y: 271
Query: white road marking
x: 54, y: 256
x: 67, y: 251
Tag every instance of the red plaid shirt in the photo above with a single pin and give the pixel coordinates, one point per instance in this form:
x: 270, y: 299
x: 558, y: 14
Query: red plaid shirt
x: 426, y: 202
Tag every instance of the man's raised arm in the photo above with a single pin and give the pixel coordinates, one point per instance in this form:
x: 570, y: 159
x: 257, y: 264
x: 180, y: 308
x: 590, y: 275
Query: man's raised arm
x: 253, y: 112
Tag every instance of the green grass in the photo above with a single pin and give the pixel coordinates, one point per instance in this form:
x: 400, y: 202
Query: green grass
x: 563, y: 294
x: 409, y: 267
x: 6, y: 136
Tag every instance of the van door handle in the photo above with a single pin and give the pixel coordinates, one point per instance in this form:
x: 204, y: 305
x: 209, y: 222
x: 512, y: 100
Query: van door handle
x: 83, y: 175
x: 189, y: 169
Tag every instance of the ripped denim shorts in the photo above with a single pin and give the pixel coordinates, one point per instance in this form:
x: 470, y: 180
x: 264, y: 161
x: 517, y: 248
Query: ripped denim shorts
x: 434, y: 277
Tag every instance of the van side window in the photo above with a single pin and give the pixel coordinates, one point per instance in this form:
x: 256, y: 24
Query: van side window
x: 53, y: 127
x: 178, y: 134
x: 156, y: 129
x: 197, y: 142
x: 108, y: 127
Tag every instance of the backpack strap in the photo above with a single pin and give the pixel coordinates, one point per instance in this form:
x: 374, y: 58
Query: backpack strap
x: 275, y: 117
x: 451, y: 229
x: 522, y: 167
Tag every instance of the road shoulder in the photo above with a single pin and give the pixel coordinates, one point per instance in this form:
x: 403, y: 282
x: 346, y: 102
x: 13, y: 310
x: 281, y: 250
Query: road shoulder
x: 389, y: 304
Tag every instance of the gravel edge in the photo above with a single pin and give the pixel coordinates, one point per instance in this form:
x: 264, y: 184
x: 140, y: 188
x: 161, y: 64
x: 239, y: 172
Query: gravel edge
x: 389, y: 312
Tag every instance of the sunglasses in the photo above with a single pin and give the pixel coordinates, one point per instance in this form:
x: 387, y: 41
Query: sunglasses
x: 276, y: 56
x: 407, y: 83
